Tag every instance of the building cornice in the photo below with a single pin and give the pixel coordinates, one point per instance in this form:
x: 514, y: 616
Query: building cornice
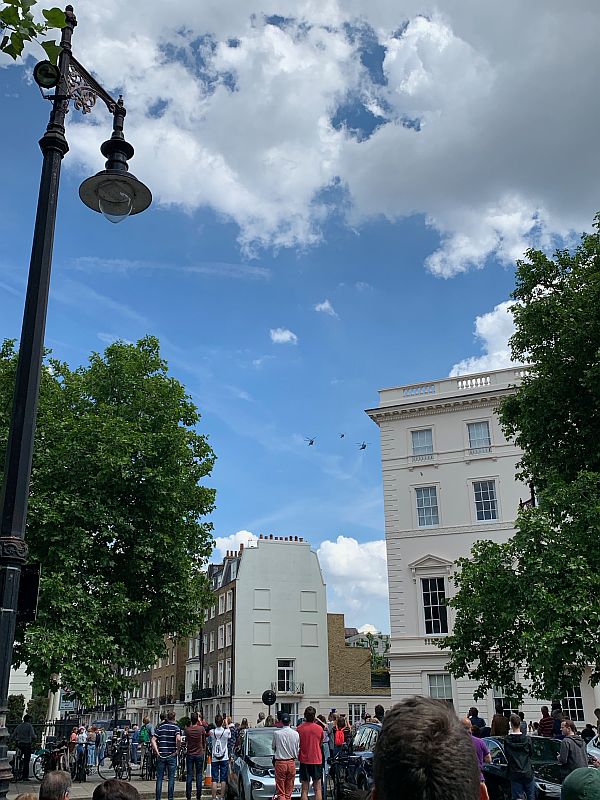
x: 388, y: 413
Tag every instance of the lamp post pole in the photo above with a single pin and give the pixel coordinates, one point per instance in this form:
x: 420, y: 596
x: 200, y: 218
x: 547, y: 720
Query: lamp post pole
x: 73, y: 83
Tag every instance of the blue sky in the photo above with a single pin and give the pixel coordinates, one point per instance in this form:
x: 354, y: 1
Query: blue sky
x: 287, y: 169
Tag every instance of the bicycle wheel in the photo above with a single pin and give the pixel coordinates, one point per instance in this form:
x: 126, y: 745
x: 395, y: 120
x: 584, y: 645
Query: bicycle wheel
x: 38, y: 768
x: 107, y: 770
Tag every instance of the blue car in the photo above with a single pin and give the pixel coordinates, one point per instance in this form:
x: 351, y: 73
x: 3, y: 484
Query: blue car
x: 352, y: 767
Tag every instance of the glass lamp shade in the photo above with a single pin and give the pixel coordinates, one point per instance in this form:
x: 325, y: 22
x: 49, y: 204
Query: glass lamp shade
x: 115, y: 200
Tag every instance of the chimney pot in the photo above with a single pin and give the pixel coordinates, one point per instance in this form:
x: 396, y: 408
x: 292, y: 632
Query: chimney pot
x: 301, y: 539
x: 270, y: 536
x: 241, y: 546
x: 260, y: 536
x: 295, y: 538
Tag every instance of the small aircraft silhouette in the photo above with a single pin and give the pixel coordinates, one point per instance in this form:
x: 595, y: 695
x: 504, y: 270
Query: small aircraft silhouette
x: 310, y: 440
x: 362, y: 445
x: 342, y: 435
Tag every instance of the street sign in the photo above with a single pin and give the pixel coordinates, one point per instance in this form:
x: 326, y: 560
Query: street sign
x: 269, y: 697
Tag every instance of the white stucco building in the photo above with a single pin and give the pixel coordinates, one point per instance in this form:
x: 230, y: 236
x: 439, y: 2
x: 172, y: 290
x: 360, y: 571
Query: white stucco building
x: 448, y: 480
x: 268, y: 629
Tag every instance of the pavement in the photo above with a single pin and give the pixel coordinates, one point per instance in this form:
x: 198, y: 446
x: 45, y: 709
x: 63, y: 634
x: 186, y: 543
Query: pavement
x: 83, y: 791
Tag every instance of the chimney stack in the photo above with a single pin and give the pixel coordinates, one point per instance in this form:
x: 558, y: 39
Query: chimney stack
x: 241, y: 547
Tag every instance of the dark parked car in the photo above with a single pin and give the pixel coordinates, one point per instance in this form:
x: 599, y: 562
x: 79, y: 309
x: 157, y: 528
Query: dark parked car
x: 545, y: 766
x: 353, y: 766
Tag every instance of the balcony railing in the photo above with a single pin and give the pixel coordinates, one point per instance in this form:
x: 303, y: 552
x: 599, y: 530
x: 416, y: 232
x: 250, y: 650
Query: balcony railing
x: 288, y: 687
x: 202, y: 694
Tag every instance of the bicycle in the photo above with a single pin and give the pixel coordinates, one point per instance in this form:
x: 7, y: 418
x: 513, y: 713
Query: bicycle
x: 181, y: 772
x: 116, y: 765
x: 148, y: 770
x: 49, y: 760
x: 17, y: 765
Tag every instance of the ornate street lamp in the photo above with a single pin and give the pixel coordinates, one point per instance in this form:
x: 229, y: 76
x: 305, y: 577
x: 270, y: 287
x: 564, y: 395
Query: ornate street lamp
x: 115, y: 193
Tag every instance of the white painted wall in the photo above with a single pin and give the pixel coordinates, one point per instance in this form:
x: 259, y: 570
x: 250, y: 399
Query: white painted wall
x: 281, y: 575
x: 20, y: 682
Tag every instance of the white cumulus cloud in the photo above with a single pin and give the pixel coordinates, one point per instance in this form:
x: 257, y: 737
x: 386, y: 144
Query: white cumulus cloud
x: 233, y: 541
x: 283, y: 336
x: 356, y: 577
x: 326, y: 308
x: 492, y: 330
x: 466, y: 108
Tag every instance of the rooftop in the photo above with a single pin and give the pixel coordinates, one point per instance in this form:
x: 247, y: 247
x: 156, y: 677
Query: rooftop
x: 492, y: 381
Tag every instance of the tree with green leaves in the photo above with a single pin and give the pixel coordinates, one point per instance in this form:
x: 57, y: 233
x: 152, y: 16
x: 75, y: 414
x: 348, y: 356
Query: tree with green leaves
x: 531, y: 604
x: 18, y: 25
x: 115, y: 516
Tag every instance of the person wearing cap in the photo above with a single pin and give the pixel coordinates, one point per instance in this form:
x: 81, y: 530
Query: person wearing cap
x: 286, y: 747
x: 582, y: 784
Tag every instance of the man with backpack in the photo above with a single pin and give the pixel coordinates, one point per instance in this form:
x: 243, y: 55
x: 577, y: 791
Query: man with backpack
x: 219, y: 765
x: 145, y: 736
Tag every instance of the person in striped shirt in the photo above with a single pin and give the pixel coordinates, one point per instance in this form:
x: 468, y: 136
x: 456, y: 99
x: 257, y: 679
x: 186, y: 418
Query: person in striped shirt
x: 166, y: 743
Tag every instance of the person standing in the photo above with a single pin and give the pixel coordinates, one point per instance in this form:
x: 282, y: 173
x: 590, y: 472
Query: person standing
x: 146, y: 734
x: 320, y: 720
x: 260, y: 721
x: 518, y: 750
x: 166, y: 743
x: 311, y: 754
x: 218, y: 740
x: 195, y: 737
x: 379, y: 713
x: 135, y: 744
x: 24, y: 737
x: 573, y: 752
x: 91, y: 747
x: 474, y: 718
x: 286, y: 748
x: 481, y: 751
x: 500, y: 722
x: 546, y: 723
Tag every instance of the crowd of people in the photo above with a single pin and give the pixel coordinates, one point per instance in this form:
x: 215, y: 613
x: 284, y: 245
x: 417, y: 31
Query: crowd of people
x: 424, y: 752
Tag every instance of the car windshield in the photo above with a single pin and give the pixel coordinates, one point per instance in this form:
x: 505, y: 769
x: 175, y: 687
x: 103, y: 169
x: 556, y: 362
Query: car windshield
x: 545, y: 750
x: 259, y: 742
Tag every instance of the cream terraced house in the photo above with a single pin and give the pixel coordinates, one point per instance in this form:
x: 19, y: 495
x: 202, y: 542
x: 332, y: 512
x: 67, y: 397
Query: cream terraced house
x: 448, y: 481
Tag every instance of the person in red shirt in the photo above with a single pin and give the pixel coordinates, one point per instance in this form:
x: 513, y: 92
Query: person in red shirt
x: 311, y: 754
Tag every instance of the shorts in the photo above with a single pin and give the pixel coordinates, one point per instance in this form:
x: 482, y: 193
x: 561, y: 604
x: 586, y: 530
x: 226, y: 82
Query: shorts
x: 219, y: 770
x: 311, y: 771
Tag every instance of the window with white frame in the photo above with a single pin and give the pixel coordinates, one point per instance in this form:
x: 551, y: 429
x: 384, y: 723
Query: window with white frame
x: 221, y: 604
x: 196, y: 645
x: 427, y: 506
x: 486, y: 501
x: 211, y: 676
x: 285, y: 675
x: 228, y: 629
x: 213, y: 609
x: 190, y: 648
x: 509, y: 704
x: 233, y: 570
x: 227, y: 676
x: 211, y: 646
x: 356, y: 712
x: 479, y: 437
x: 440, y: 687
x: 573, y: 704
x: 435, y: 613
x: 221, y: 637
x: 220, y: 668
x: 422, y: 442
x: 205, y: 643
x: 205, y: 678
x: 229, y: 600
